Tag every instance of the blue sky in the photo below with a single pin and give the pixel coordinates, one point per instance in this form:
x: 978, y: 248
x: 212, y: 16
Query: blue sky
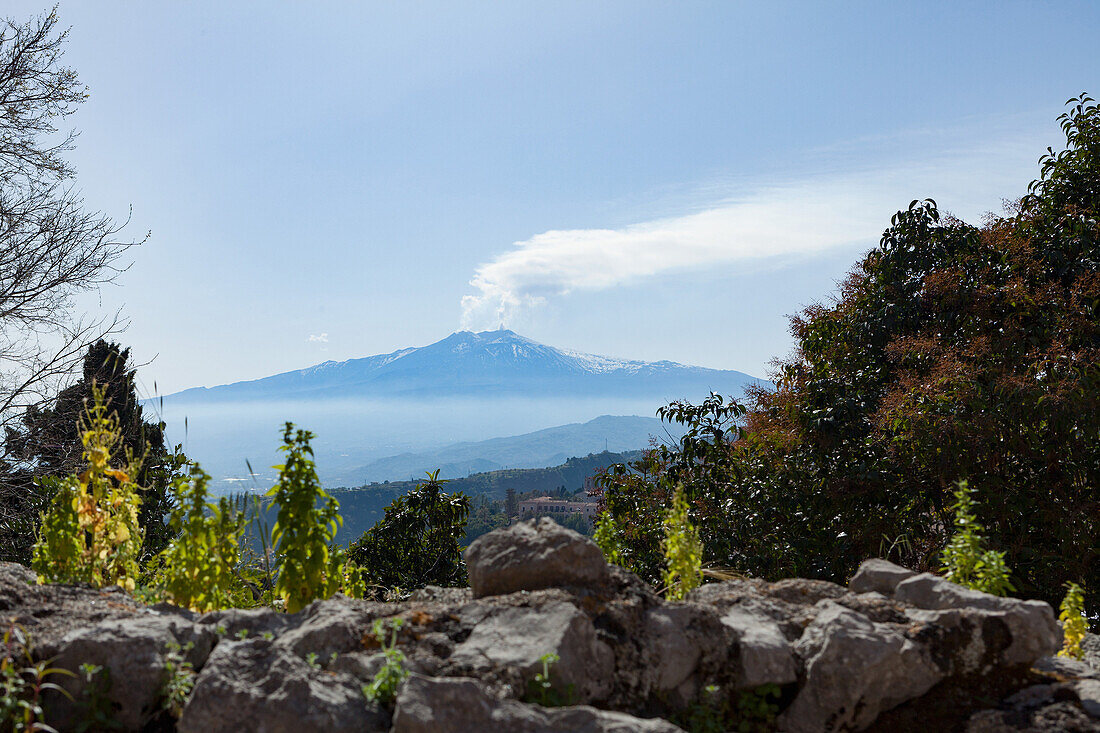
x: 645, y: 180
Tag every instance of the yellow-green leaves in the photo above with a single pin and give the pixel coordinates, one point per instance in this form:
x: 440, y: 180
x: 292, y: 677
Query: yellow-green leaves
x: 965, y: 559
x: 90, y: 532
x: 198, y: 565
x: 305, y: 526
x: 1074, y: 623
x: 683, y: 550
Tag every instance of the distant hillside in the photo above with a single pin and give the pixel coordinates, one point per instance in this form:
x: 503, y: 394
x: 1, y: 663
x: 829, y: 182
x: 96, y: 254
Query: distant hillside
x: 363, y: 506
x: 541, y: 448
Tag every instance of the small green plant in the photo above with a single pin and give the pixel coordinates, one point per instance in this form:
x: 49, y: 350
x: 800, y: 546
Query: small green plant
x: 179, y: 678
x: 383, y: 688
x: 311, y: 660
x: 90, y: 531
x: 198, y: 565
x: 541, y: 689
x: 96, y: 711
x: 683, y: 550
x: 306, y: 525
x: 267, y: 635
x: 22, y: 683
x: 711, y: 713
x: 241, y: 635
x: 1074, y: 623
x: 965, y: 560
x: 757, y: 709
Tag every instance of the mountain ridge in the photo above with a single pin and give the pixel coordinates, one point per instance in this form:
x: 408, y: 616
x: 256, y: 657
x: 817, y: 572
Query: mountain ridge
x: 465, y: 362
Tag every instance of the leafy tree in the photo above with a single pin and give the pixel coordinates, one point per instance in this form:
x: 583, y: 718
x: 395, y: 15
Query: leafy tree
x: 416, y: 543
x: 951, y: 352
x: 48, y: 443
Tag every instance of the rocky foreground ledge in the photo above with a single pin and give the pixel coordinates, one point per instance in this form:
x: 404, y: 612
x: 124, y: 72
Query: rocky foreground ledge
x: 895, y: 651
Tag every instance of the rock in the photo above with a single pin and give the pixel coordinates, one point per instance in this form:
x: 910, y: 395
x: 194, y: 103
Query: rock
x: 1088, y: 691
x: 879, y: 576
x: 132, y: 652
x: 533, y: 555
x: 674, y: 652
x: 763, y: 651
x: 336, y: 625
x: 855, y: 669
x: 517, y: 638
x: 1064, y: 667
x: 462, y: 705
x: 1031, y: 624
x: 256, y: 685
x: 249, y: 621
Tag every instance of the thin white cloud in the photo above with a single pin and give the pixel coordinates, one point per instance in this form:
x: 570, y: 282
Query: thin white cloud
x: 321, y: 338
x: 795, y: 218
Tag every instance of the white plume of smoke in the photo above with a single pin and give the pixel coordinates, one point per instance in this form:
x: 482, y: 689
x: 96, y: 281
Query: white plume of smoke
x: 801, y: 218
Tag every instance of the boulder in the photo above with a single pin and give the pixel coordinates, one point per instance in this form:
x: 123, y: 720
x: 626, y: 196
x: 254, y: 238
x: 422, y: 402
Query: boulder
x: 878, y: 576
x: 132, y: 652
x: 764, y: 655
x: 510, y: 642
x: 855, y: 669
x: 256, y: 685
x: 462, y: 705
x: 532, y: 555
x: 1031, y: 624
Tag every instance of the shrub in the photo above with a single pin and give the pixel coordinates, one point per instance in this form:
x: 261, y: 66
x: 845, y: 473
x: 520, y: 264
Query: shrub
x: 90, y: 532
x: 198, y: 567
x: 683, y: 550
x: 307, y: 521
x: 1074, y: 623
x: 417, y: 540
x: 965, y: 559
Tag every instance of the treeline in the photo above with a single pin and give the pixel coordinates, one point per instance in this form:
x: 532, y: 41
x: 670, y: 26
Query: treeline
x: 951, y: 353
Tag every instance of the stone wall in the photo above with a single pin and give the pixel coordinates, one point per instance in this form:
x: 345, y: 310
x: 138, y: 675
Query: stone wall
x: 895, y: 650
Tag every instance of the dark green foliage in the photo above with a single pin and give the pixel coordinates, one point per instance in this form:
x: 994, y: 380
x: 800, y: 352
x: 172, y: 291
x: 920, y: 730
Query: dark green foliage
x: 416, y: 542
x: 952, y: 352
x: 47, y: 446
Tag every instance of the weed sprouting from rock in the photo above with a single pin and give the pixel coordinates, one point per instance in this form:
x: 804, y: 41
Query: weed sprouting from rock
x: 965, y: 560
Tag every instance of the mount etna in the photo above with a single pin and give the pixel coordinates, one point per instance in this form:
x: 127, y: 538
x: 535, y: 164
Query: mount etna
x: 436, y: 402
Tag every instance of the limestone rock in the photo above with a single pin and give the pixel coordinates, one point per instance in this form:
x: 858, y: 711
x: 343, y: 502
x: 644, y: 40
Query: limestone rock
x: 763, y: 651
x: 132, y: 651
x: 258, y: 686
x: 855, y: 669
x: 532, y: 555
x: 879, y: 576
x: 517, y: 637
x: 1031, y: 624
x: 462, y: 705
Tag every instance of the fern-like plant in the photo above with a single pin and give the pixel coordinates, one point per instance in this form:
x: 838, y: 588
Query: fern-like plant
x: 90, y: 531
x: 966, y: 560
x: 307, y: 521
x: 683, y: 549
x: 1074, y: 623
x: 198, y: 565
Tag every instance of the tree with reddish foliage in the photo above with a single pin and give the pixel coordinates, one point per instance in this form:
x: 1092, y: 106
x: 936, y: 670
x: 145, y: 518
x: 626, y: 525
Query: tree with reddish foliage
x: 951, y: 352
